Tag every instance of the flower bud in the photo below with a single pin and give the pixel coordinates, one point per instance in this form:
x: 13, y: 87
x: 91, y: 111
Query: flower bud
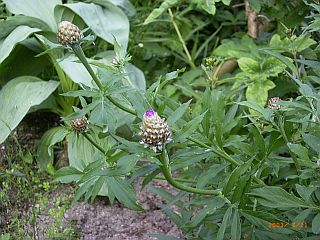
x: 68, y: 34
x: 154, y: 131
x: 273, y: 103
x: 79, y: 125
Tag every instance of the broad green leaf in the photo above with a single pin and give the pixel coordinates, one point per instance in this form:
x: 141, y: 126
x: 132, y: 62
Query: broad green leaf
x: 68, y: 175
x: 249, y: 65
x: 276, y: 197
x: 258, y: 92
x: 207, y: 5
x: 285, y: 60
x: 45, y: 151
x: 158, y: 11
x: 124, y: 192
x: 316, y: 224
x: 125, y: 5
x: 17, y: 97
x: 136, y: 77
x: 237, y: 48
x: 300, y: 150
x: 81, y: 152
x: 223, y: 226
x: 178, y: 113
x: 15, y: 37
x: 302, y: 42
x: 252, y: 105
x: 43, y: 10
x: 312, y: 140
x: 13, y: 22
x: 272, y: 66
x: 109, y: 22
x: 76, y: 71
x: 138, y: 102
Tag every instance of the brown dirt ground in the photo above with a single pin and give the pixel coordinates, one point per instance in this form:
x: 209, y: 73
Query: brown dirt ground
x: 98, y: 220
x: 101, y: 221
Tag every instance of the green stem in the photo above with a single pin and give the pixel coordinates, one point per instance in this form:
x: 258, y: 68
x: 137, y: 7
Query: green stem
x: 177, y: 179
x: 181, y: 39
x: 168, y: 176
x: 94, y: 143
x: 122, y: 107
x: 286, y: 140
x: 219, y: 152
x: 80, y: 54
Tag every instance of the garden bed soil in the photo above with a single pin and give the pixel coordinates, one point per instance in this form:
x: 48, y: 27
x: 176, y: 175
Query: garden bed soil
x: 98, y: 220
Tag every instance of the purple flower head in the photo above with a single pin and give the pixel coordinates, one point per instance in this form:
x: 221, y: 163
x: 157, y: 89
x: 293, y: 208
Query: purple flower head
x: 149, y: 113
x: 155, y: 131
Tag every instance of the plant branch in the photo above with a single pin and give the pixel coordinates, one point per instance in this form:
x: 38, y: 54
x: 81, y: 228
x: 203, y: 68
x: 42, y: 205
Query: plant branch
x: 217, y: 151
x: 168, y: 176
x: 94, y: 143
x: 122, y: 107
x: 80, y: 54
x: 177, y: 179
x: 181, y: 39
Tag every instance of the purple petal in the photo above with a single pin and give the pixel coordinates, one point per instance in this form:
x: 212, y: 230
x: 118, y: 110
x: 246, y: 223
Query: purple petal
x: 149, y: 113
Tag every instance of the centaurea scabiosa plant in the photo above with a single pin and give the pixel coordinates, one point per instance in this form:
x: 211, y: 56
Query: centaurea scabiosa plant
x: 155, y: 132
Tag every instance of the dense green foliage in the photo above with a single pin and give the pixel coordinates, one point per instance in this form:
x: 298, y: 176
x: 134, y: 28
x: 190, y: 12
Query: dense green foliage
x: 250, y: 171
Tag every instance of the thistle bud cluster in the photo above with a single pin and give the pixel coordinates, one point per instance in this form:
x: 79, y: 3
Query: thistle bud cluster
x: 79, y: 125
x: 154, y: 131
x: 68, y: 34
x: 273, y: 103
